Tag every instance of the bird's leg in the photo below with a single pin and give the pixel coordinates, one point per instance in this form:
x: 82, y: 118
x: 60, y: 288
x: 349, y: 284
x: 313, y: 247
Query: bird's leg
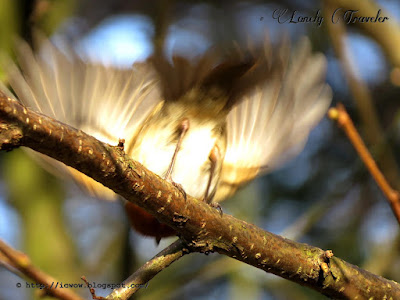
x: 184, y: 127
x: 214, y: 157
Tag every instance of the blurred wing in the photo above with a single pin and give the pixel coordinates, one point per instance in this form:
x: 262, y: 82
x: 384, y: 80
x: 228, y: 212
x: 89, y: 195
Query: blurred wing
x: 105, y: 102
x: 272, y: 123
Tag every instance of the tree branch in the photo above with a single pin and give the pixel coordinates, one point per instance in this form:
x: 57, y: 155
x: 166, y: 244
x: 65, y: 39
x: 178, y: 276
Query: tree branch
x: 340, y: 115
x: 150, y: 269
x: 386, y: 34
x: 200, y: 226
x: 22, y: 263
x: 370, y: 122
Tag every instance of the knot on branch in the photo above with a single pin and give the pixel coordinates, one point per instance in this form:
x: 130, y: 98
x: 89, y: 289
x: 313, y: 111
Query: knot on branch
x: 10, y: 136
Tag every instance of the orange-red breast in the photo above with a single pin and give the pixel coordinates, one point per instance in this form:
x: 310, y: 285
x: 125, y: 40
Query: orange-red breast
x: 209, y: 125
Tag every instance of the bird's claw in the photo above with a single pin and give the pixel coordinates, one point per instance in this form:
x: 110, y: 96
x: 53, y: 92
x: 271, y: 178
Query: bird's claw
x: 180, y: 189
x: 217, y: 206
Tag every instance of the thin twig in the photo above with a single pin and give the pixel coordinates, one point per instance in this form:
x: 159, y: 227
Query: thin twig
x: 22, y: 262
x: 92, y: 290
x: 9, y: 265
x: 145, y: 273
x: 340, y: 115
x: 361, y: 94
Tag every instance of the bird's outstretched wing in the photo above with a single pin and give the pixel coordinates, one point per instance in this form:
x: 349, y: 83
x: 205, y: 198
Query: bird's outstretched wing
x: 106, y: 102
x: 272, y: 122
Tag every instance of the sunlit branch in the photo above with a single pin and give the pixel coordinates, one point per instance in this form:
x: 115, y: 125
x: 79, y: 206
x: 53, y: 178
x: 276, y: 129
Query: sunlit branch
x: 200, y: 226
x: 362, y: 96
x: 340, y: 115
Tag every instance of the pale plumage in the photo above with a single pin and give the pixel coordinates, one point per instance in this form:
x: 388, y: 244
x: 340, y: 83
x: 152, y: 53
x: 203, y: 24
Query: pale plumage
x: 272, y: 123
x: 105, y: 102
x: 270, y: 106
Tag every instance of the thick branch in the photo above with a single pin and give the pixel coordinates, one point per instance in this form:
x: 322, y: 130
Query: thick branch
x: 199, y: 225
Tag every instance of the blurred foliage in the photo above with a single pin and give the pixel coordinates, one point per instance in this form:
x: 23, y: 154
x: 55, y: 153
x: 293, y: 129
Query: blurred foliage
x: 8, y: 27
x: 324, y: 197
x: 37, y: 197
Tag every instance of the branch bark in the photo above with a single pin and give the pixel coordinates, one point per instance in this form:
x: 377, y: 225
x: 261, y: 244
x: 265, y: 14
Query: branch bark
x: 200, y: 226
